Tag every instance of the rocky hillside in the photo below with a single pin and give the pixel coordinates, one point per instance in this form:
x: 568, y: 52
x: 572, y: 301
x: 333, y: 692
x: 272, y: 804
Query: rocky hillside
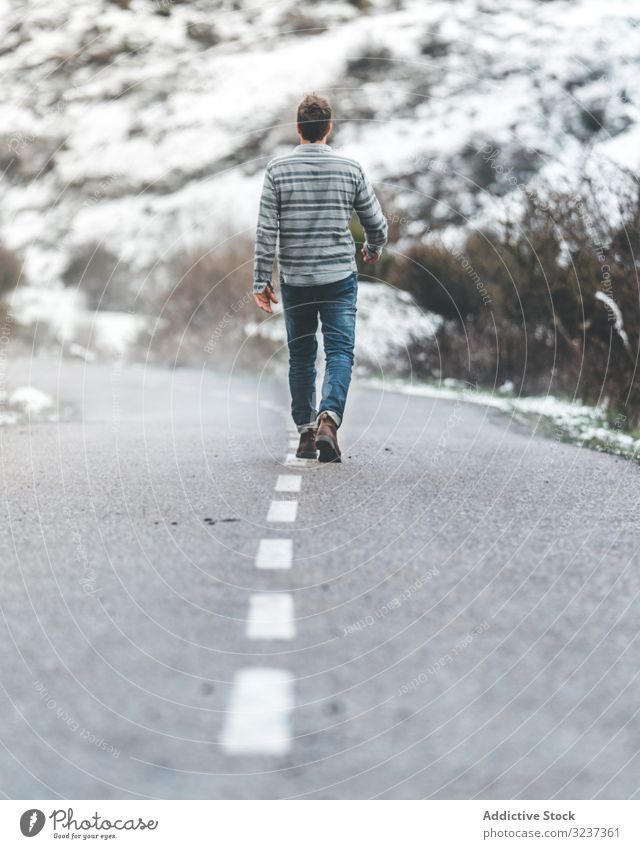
x: 136, y: 130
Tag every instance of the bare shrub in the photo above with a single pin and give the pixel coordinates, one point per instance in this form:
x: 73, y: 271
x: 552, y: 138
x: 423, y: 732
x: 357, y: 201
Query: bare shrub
x: 372, y: 62
x: 203, y: 315
x: 549, y: 302
x: 204, y: 33
x: 297, y: 21
x: 26, y: 157
x: 396, y: 223
x: 10, y: 270
x: 101, y: 275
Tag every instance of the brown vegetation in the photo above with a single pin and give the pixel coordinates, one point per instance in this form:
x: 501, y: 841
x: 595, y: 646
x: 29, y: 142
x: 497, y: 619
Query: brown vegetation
x: 203, y: 315
x: 550, y: 302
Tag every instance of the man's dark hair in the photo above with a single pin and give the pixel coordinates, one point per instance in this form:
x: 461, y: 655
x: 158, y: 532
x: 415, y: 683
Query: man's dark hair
x: 314, y: 117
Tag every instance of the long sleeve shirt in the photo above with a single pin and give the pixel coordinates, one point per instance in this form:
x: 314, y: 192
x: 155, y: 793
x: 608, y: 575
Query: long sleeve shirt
x: 307, y: 201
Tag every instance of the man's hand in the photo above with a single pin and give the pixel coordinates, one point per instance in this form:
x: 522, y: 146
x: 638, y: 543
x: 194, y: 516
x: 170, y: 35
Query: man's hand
x: 265, y: 298
x: 370, y: 259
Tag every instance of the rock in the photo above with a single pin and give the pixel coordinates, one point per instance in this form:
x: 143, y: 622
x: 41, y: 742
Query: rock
x: 204, y: 33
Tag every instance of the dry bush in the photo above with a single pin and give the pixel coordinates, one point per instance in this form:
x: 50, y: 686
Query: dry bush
x: 370, y: 62
x: 10, y: 271
x: 25, y: 157
x: 436, y: 279
x: 101, y: 275
x: 203, y: 315
x: 396, y: 225
x: 297, y: 21
x: 203, y: 33
x: 549, y: 302
x: 434, y: 45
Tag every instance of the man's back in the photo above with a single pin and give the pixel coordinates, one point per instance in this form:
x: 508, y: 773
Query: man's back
x: 307, y: 202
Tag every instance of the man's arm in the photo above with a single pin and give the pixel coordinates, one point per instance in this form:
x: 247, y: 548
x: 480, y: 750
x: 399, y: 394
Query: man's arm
x: 371, y: 217
x: 266, y: 237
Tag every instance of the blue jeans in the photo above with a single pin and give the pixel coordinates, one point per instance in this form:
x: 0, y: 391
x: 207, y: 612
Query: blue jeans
x: 335, y: 305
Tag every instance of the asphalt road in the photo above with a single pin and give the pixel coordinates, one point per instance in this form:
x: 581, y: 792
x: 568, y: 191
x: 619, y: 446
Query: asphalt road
x: 451, y: 613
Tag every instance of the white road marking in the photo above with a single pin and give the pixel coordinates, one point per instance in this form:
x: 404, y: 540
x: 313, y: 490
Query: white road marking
x: 274, y: 554
x: 282, y: 511
x: 297, y: 462
x: 261, y: 701
x: 257, y: 721
x: 271, y: 617
x: 288, y: 483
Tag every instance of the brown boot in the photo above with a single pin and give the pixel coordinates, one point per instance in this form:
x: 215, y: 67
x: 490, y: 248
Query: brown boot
x: 307, y: 446
x: 327, y: 440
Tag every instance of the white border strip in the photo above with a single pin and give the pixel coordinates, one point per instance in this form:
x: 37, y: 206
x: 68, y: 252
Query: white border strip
x: 282, y: 511
x: 271, y: 617
x: 274, y: 554
x: 257, y: 722
x: 289, y: 483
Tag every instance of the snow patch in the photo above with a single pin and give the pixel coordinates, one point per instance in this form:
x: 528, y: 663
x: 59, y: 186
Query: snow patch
x: 616, y: 312
x: 30, y: 401
x: 389, y: 321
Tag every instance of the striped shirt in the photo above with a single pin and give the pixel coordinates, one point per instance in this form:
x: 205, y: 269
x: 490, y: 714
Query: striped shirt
x: 307, y: 201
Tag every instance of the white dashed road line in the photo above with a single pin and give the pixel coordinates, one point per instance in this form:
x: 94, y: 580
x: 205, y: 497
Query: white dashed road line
x: 288, y: 483
x: 274, y: 554
x: 282, y: 511
x: 298, y: 462
x: 258, y: 718
x: 271, y: 617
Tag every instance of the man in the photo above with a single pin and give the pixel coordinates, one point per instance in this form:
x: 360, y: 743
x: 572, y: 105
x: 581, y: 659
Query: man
x: 307, y: 202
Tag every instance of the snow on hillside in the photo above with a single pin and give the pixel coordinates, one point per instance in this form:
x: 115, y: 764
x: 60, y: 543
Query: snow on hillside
x: 147, y: 128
